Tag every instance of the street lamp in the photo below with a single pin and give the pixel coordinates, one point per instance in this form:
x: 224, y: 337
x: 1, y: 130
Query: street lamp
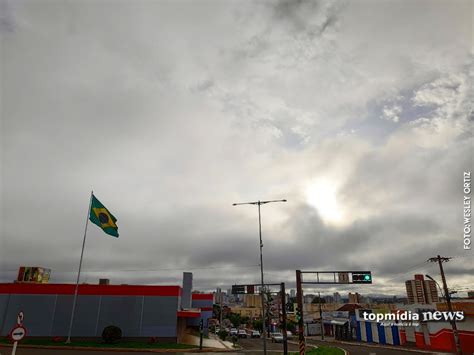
x: 262, y: 286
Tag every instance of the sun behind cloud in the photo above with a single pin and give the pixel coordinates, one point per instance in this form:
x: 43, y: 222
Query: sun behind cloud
x: 322, y: 195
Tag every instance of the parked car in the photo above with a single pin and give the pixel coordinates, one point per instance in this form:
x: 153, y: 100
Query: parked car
x: 289, y: 335
x: 255, y: 334
x: 233, y: 331
x: 242, y: 333
x: 277, y: 338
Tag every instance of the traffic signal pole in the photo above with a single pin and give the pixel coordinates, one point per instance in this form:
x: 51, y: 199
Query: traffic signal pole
x: 283, y: 316
x: 299, y: 300
x: 358, y: 277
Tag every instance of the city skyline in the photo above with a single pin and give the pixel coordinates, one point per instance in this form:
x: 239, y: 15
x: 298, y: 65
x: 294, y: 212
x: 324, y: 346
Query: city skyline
x: 357, y: 113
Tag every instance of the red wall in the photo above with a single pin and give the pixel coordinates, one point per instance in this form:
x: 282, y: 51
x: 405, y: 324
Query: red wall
x: 420, y: 340
x: 403, y: 337
x: 85, y: 289
x: 444, y: 340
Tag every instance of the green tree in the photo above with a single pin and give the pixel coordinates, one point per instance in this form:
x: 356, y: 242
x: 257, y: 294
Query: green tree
x: 258, y: 325
x: 223, y: 334
x: 235, y: 319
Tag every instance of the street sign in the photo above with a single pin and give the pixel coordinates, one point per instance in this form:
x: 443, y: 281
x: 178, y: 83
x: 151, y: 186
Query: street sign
x: 343, y: 277
x: 238, y: 289
x: 18, y: 333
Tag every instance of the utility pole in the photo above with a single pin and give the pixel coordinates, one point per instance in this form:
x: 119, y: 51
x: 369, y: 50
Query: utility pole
x: 299, y: 299
x: 220, y: 309
x: 283, y: 316
x: 440, y: 260
x: 321, y: 316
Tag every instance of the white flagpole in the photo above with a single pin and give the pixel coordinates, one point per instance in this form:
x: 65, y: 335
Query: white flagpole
x: 79, y: 273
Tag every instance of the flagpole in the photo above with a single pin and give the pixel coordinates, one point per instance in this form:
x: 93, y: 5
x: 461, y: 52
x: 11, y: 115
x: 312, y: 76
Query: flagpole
x: 68, y: 340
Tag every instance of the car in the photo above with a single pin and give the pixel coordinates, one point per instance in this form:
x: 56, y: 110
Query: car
x: 289, y: 335
x: 255, y: 334
x: 218, y: 330
x: 233, y: 331
x: 242, y: 333
x: 277, y: 338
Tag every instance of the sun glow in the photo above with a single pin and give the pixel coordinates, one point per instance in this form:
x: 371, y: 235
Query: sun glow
x: 322, y: 195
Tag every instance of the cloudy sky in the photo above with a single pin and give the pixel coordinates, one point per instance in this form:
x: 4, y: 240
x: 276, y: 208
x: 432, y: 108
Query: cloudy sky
x: 357, y: 112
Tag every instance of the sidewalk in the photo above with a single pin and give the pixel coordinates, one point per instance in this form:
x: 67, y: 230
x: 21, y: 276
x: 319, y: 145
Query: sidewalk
x: 207, y: 343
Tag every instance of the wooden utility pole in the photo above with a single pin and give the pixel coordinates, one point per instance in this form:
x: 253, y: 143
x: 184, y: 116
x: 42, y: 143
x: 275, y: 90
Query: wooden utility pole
x: 440, y: 260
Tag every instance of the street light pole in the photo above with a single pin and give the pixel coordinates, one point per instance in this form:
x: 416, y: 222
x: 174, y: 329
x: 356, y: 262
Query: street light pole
x: 262, y: 285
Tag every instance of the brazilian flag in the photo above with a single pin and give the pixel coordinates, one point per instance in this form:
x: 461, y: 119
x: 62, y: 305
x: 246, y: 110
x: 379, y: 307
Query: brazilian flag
x: 103, y: 218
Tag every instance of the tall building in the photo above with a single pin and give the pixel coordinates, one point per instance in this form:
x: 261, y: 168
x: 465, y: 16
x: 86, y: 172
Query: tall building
x: 355, y: 298
x: 421, y: 291
x: 337, y: 297
x: 293, y: 293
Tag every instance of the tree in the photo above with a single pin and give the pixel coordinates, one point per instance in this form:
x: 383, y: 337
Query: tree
x: 258, y: 325
x: 235, y: 319
x: 291, y: 325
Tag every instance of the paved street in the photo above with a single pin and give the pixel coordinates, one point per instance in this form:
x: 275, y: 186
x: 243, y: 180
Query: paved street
x: 257, y: 345
x: 249, y: 346
x: 366, y: 350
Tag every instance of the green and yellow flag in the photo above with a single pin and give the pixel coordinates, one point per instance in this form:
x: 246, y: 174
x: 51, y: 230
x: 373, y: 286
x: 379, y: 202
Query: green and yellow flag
x: 101, y: 216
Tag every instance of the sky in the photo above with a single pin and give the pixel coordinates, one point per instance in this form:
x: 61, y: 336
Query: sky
x: 359, y: 113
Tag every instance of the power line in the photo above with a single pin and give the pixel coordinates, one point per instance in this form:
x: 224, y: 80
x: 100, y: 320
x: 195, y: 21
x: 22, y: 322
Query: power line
x: 411, y: 269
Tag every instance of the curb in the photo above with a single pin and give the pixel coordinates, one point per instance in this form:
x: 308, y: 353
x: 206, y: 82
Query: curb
x: 149, y: 350
x: 378, y: 346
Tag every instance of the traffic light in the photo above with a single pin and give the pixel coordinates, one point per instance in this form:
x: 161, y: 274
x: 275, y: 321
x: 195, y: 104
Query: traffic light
x: 362, y: 277
x: 298, y: 314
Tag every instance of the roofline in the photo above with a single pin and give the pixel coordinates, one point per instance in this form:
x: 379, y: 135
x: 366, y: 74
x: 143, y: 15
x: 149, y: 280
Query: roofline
x: 87, y: 289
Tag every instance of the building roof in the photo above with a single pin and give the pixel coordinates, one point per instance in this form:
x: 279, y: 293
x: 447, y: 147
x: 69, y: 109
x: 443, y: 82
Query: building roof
x: 351, y: 307
x: 86, y: 289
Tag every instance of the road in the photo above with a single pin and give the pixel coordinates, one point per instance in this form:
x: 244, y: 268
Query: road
x: 366, y: 350
x: 257, y: 345
x: 250, y: 347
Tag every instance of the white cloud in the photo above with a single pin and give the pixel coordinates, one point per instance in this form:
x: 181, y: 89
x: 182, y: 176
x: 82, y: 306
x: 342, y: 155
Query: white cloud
x: 172, y: 111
